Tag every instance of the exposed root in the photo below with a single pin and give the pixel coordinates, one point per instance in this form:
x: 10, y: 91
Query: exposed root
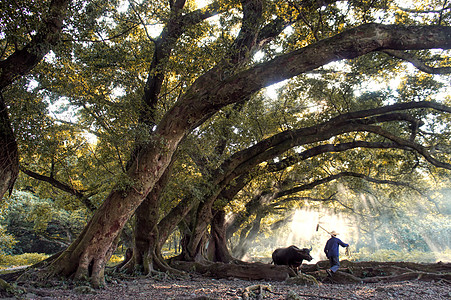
x: 303, y: 279
x: 127, y: 258
x: 258, y: 290
x: 8, y: 290
x: 12, y: 276
x: 293, y: 296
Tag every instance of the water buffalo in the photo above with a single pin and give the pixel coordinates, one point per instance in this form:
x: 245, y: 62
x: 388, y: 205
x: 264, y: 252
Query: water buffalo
x: 291, y: 256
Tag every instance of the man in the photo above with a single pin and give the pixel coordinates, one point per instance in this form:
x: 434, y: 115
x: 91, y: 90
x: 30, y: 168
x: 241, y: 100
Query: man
x: 332, y: 252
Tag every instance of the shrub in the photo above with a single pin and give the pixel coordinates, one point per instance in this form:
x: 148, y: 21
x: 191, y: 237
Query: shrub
x: 7, y: 241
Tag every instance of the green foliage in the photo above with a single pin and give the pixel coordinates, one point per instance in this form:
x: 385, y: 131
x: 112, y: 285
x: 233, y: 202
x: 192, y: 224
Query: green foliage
x: 7, y: 241
x: 40, y: 224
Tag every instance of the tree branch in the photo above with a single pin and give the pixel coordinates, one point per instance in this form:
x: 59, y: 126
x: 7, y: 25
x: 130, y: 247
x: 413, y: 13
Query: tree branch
x: 328, y: 148
x: 416, y: 147
x: 417, y: 63
x: 349, y: 44
x: 23, y: 60
x: 62, y: 186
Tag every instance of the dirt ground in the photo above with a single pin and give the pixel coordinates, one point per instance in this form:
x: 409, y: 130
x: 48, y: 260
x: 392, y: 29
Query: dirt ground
x: 198, y: 287
x: 355, y: 280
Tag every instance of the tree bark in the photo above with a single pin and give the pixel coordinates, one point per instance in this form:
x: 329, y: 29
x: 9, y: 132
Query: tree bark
x: 9, y: 157
x: 217, y: 250
x: 87, y: 256
x: 147, y: 249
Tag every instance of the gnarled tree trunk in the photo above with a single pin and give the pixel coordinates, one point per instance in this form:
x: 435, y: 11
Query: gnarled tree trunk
x: 9, y: 157
x: 147, y: 256
x: 217, y: 250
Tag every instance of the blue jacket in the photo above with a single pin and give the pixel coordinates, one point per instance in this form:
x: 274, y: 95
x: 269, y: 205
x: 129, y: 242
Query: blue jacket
x: 331, y: 248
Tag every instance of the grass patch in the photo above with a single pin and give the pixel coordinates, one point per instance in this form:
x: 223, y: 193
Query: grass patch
x: 365, y: 254
x: 26, y: 259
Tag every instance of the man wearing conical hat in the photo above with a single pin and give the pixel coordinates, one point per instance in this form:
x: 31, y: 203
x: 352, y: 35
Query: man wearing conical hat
x: 332, y: 252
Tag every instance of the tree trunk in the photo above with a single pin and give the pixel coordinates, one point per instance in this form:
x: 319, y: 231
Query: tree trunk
x: 173, y: 218
x: 204, y: 214
x: 217, y: 250
x: 88, y: 255
x: 145, y: 235
x: 246, y: 239
x: 19, y: 63
x: 147, y: 249
x: 9, y: 157
x: 203, y: 217
x: 190, y: 253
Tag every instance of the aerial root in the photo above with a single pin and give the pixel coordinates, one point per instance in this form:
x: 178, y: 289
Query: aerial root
x: 158, y: 275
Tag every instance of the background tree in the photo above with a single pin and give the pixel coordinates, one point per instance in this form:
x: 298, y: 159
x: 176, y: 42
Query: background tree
x: 41, y: 225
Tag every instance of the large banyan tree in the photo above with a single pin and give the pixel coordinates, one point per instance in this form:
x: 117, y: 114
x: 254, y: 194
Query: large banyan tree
x: 160, y: 70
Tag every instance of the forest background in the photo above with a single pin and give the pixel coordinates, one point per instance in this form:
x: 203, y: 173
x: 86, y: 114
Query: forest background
x: 358, y: 143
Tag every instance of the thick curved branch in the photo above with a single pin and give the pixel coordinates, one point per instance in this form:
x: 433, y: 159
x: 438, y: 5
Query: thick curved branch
x: 62, y: 186
x: 258, y: 200
x: 346, y: 45
x: 329, y: 148
x: 277, y: 144
x: 330, y: 178
x: 407, y: 143
x: 164, y: 44
x: 211, y: 92
x: 417, y: 63
x: 242, y: 162
x: 22, y: 61
x: 392, y: 108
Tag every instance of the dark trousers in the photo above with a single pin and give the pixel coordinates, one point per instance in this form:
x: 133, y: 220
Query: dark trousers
x: 334, y: 263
